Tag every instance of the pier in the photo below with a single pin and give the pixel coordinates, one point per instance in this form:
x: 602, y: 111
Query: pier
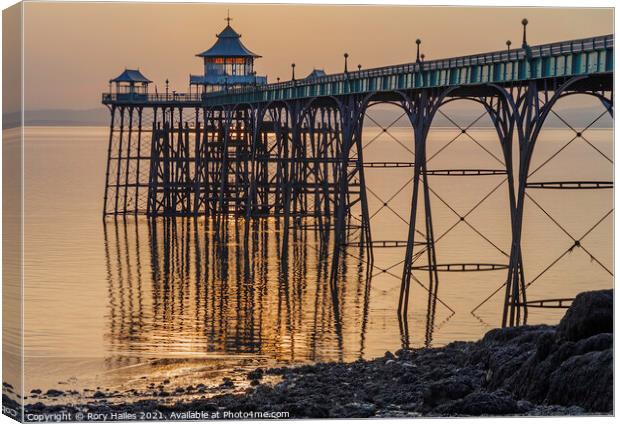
x: 238, y: 146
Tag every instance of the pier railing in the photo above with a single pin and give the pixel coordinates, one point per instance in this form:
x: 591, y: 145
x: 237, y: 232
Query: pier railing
x: 567, y: 58
x: 151, y: 97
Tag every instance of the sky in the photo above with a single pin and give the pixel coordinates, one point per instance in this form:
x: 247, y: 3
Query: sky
x: 72, y: 50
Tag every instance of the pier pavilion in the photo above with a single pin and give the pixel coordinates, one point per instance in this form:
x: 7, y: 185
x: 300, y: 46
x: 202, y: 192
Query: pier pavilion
x: 227, y: 64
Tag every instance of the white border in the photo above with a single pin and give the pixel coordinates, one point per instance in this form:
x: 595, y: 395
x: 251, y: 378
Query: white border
x: 457, y: 3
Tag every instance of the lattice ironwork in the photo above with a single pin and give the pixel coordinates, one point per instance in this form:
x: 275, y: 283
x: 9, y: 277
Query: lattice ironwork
x: 465, y: 172
x: 536, y: 103
x: 465, y: 267
x: 432, y: 267
x: 571, y: 185
x: 383, y: 243
x: 563, y: 303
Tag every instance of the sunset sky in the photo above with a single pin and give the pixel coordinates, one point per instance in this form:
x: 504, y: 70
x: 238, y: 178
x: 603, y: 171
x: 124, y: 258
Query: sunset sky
x: 72, y: 50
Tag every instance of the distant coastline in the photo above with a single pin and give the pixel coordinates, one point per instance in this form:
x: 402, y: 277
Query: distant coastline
x: 100, y: 116
x: 58, y: 117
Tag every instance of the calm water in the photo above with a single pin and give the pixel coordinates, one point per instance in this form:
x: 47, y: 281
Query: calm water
x: 127, y: 302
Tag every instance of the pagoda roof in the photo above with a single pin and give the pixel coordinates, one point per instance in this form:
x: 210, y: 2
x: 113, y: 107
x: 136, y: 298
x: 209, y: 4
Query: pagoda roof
x: 228, y: 44
x: 131, y: 75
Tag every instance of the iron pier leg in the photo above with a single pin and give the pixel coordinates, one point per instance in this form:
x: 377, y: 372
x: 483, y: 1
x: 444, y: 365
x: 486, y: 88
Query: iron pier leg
x: 366, y: 233
x: 119, y: 153
x: 107, y: 169
x: 433, y: 277
x: 403, y: 300
x: 127, y: 161
x: 138, y: 189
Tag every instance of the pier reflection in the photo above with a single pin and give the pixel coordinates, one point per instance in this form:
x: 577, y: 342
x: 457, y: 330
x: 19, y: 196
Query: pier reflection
x: 183, y: 288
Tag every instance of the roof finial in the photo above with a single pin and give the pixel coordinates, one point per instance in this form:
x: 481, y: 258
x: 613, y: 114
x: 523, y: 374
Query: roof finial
x: 228, y: 18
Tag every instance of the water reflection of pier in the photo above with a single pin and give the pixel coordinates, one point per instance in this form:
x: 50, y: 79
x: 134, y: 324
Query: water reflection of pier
x: 176, y: 288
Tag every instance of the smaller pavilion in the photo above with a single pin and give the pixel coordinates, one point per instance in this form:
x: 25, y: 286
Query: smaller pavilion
x: 130, y: 82
x: 227, y: 64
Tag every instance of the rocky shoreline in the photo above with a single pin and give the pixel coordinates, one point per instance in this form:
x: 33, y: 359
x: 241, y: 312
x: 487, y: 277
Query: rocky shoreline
x: 530, y: 370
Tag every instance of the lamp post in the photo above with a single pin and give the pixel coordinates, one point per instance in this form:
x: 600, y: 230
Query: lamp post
x: 418, y: 42
x: 524, y: 22
x: 359, y: 68
x: 508, y: 44
x: 293, y: 71
x: 422, y: 56
x: 167, y: 82
x: 346, y: 60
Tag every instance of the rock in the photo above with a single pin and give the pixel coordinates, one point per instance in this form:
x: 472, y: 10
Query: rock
x: 354, y: 410
x: 554, y: 410
x: 585, y: 381
x: 257, y: 374
x: 482, y: 403
x: 36, y: 391
x: 227, y: 384
x: 511, y: 334
x: 406, y: 354
x: 545, y: 345
x: 99, y: 394
x: 448, y: 389
x: 308, y: 409
x: 503, y: 363
x: 602, y: 341
x: 408, y: 378
x: 532, y: 379
x: 54, y: 393
x: 591, y: 313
